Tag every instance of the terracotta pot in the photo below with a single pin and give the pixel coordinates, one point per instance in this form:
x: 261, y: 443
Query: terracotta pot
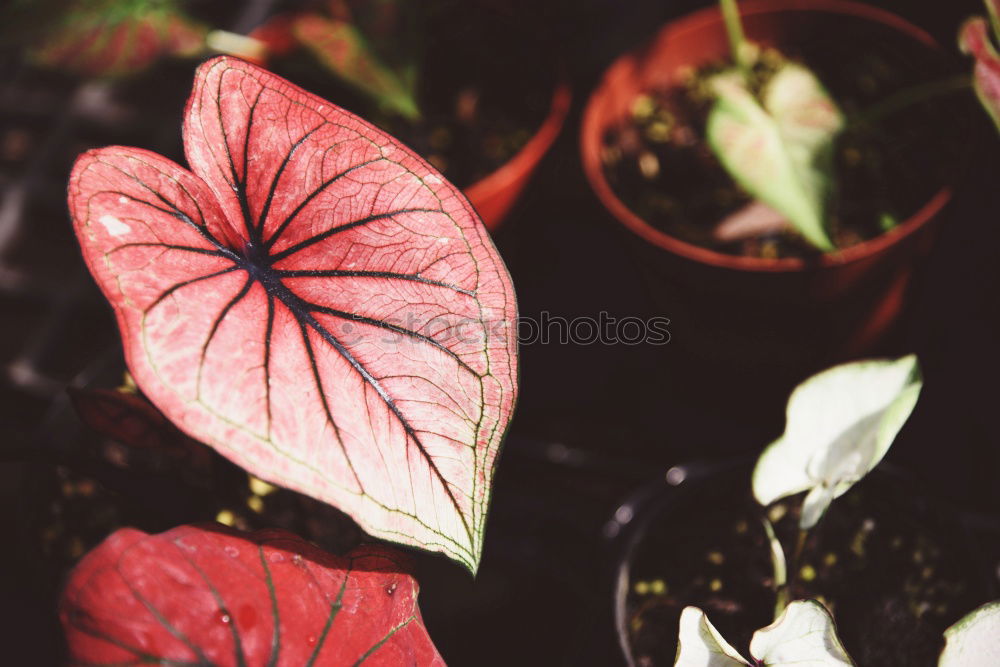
x: 788, y: 313
x: 495, y: 194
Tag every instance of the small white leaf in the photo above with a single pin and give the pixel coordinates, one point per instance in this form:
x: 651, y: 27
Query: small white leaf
x: 780, y: 151
x: 815, y: 504
x: 839, y: 425
x: 699, y: 644
x: 975, y: 640
x: 804, y: 636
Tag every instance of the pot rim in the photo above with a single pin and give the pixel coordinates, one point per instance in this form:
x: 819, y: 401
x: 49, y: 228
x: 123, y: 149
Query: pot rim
x: 710, y: 19
x: 528, y: 157
x: 630, y: 523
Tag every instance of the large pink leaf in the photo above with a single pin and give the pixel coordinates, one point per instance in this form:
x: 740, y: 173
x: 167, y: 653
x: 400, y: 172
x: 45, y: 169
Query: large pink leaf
x: 209, y: 595
x: 314, y: 301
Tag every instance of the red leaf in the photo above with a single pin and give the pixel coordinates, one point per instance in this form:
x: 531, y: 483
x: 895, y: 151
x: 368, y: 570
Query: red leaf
x: 317, y: 304
x: 126, y: 418
x: 131, y: 420
x: 276, y: 34
x: 209, y: 595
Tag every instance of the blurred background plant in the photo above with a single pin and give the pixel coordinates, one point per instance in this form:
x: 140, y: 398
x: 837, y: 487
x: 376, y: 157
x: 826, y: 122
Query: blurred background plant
x: 102, y: 37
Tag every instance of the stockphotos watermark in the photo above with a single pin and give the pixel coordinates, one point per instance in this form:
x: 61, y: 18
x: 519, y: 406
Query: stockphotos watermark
x: 454, y: 330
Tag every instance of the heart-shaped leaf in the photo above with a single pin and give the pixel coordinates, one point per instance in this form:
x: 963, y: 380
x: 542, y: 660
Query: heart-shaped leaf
x: 109, y: 37
x: 699, y: 644
x: 212, y: 596
x: 839, y: 425
x: 975, y: 640
x: 803, y: 636
x: 780, y: 150
x: 314, y: 301
x: 974, y: 38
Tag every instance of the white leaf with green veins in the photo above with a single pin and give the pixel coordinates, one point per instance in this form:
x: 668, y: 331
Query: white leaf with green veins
x: 975, y: 640
x: 804, y: 636
x: 839, y: 425
x: 699, y: 644
x: 780, y: 151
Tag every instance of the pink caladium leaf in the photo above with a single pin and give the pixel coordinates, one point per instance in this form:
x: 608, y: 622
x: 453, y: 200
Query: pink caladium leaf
x: 974, y: 39
x: 213, y: 596
x: 314, y: 301
x: 111, y: 38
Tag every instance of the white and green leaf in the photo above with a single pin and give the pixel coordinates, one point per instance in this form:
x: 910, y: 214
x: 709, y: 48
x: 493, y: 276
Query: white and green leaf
x: 804, y: 636
x: 839, y: 424
x: 699, y: 644
x: 779, y: 148
x: 974, y: 641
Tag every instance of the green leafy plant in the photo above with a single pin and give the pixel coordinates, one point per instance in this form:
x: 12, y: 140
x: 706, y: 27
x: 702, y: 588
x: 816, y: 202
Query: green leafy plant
x: 775, y: 134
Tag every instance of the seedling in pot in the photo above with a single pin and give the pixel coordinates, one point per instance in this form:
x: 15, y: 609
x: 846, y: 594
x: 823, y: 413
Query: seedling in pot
x: 804, y: 634
x: 773, y: 126
x: 839, y: 425
x: 805, y: 143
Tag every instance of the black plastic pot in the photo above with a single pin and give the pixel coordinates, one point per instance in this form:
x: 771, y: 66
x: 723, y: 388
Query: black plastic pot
x: 661, y: 527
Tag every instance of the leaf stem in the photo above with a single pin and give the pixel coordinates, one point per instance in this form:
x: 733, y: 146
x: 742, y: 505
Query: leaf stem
x: 910, y: 96
x: 734, y: 30
x: 991, y: 9
x: 785, y: 590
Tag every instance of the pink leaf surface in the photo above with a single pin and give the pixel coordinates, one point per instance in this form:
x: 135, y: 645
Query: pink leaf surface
x: 315, y: 302
x: 209, y: 595
x: 974, y: 38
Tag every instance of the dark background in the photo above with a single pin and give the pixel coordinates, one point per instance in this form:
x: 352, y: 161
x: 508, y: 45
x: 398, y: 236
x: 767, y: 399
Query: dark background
x: 593, y: 424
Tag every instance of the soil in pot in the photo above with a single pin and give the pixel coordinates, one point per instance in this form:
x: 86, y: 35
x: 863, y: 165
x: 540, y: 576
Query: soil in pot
x: 889, y: 162
x: 895, y: 572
